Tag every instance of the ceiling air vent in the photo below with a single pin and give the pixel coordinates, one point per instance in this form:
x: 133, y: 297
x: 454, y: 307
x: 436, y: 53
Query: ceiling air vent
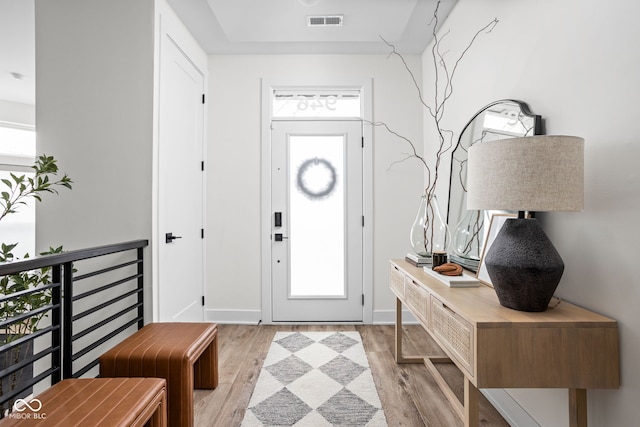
x: 325, y: 21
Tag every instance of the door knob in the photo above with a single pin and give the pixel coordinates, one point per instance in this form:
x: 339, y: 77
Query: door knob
x: 279, y: 237
x: 169, y: 237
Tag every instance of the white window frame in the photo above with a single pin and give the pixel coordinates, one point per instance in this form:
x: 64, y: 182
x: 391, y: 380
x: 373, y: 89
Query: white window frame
x: 13, y: 162
x: 18, y: 163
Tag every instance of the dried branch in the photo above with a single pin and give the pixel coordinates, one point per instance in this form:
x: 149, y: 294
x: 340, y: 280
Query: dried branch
x: 408, y: 69
x: 414, y: 153
x: 443, y: 90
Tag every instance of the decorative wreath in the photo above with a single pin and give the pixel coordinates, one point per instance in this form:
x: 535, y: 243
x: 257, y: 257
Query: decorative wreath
x: 328, y: 187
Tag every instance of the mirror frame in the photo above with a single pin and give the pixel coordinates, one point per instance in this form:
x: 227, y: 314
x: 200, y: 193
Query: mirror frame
x: 537, y: 129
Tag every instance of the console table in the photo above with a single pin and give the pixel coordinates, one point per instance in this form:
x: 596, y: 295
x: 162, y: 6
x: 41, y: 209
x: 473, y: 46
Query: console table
x: 496, y: 347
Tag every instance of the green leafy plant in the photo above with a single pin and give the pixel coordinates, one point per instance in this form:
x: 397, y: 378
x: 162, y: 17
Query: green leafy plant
x: 20, y: 187
x: 23, y: 281
x: 16, y: 192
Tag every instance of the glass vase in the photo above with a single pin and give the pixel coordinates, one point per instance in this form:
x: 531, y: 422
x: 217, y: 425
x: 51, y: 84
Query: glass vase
x: 468, y: 236
x: 429, y: 232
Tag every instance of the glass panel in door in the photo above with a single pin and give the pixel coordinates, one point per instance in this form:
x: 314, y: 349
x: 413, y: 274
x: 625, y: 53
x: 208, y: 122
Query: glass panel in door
x: 316, y: 216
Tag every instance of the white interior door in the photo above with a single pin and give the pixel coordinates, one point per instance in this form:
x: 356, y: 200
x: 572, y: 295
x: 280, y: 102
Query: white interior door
x: 317, y: 221
x: 180, y: 216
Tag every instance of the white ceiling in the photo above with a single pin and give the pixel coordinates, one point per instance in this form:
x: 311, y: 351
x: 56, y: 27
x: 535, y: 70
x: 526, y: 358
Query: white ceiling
x: 280, y: 26
x: 243, y: 27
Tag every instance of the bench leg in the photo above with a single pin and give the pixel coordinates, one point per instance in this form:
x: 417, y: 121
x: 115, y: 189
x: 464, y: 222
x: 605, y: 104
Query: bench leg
x: 206, y: 367
x: 159, y: 417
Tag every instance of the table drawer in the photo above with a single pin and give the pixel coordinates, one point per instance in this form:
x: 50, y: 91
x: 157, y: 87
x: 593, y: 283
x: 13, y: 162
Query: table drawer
x: 417, y: 298
x: 455, y: 333
x: 396, y: 280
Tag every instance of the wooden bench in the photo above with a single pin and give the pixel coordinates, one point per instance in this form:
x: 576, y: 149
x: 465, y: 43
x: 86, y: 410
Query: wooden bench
x: 185, y: 354
x: 100, y: 402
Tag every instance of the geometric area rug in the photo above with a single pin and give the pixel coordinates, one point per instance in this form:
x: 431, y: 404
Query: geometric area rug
x: 315, y: 379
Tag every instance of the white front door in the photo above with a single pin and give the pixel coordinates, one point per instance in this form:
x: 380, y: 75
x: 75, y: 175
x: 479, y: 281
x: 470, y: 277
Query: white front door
x: 317, y: 225
x: 180, y: 216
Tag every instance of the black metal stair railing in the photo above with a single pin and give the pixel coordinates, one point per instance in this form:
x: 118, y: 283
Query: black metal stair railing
x: 94, y: 295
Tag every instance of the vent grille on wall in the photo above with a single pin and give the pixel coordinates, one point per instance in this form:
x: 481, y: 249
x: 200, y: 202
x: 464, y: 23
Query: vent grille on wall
x: 325, y: 21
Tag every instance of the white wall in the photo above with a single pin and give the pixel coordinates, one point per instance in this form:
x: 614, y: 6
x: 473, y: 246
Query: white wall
x: 577, y: 64
x: 97, y: 73
x: 94, y: 113
x: 94, y: 106
x: 233, y: 219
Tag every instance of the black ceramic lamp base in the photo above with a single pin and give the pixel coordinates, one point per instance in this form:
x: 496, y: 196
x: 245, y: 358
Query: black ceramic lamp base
x: 524, y: 266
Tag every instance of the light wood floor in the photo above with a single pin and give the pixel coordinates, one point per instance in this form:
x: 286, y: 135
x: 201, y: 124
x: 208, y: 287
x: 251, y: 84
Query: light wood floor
x: 409, y: 394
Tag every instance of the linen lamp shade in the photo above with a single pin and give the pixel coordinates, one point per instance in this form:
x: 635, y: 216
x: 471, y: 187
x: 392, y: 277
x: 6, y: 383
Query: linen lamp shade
x: 537, y: 173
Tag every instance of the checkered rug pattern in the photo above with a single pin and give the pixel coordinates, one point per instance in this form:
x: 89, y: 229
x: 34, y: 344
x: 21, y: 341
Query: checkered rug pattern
x: 315, y: 379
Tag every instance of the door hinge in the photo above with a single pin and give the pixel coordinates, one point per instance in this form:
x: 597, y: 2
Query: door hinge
x: 202, y: 165
x: 203, y: 300
x: 203, y: 98
x: 362, y: 299
x: 363, y: 220
x: 202, y: 233
x: 363, y: 142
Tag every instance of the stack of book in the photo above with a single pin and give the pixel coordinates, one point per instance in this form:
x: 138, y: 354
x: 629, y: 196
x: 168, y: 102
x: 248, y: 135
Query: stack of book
x: 467, y: 263
x: 417, y: 260
x: 464, y: 281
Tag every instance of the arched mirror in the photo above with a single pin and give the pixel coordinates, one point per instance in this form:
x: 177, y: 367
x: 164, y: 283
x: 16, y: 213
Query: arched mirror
x: 501, y: 119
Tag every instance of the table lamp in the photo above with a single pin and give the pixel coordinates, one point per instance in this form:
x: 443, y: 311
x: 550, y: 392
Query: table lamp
x: 529, y: 174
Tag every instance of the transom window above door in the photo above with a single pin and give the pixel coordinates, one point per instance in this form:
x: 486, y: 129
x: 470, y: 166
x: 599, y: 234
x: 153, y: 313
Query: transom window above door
x: 316, y: 104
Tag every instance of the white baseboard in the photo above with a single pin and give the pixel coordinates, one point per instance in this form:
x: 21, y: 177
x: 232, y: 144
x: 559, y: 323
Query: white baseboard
x: 239, y: 317
x: 509, y: 408
x: 253, y: 317
x: 388, y: 317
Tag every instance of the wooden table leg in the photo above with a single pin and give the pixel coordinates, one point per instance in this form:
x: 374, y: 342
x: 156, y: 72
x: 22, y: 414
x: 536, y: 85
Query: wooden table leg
x: 398, y: 330
x: 471, y: 404
x: 577, y: 407
x: 399, y: 357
